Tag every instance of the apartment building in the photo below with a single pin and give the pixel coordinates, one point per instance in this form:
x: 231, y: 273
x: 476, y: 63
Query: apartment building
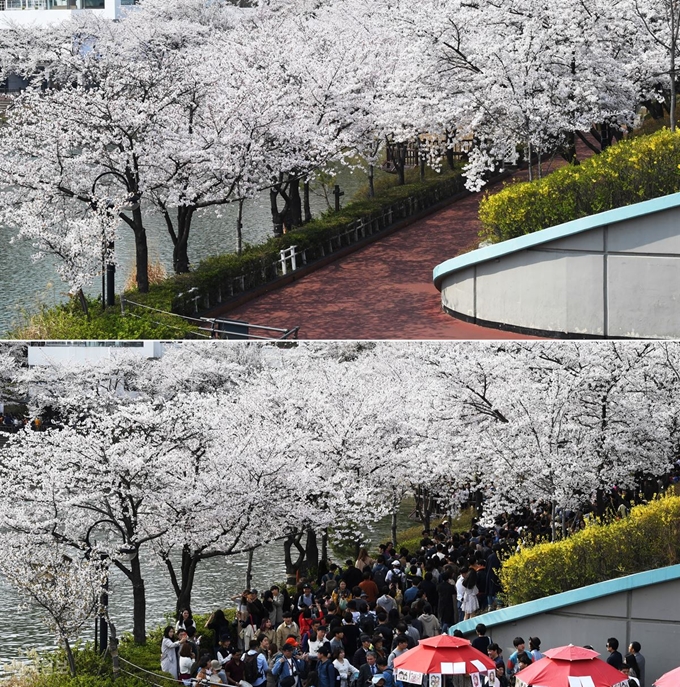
x: 51, y: 11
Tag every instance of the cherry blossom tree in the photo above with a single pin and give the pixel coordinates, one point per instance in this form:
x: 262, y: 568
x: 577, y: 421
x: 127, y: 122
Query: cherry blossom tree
x: 66, y: 589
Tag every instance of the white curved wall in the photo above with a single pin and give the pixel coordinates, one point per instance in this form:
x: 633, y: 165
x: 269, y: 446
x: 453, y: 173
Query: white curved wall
x: 620, y: 279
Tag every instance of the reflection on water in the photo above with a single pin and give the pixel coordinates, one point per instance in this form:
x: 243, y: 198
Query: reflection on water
x: 217, y: 580
x: 24, y: 285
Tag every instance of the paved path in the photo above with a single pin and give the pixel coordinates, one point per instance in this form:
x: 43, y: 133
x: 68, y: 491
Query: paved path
x: 383, y: 291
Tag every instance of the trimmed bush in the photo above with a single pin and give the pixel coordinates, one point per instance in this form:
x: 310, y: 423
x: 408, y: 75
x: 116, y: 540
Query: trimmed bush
x: 648, y: 538
x: 629, y: 172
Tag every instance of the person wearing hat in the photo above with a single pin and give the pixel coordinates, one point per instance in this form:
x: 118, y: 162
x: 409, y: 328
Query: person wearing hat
x: 315, y: 642
x: 378, y: 680
x: 216, y: 674
x: 307, y: 598
x: 288, y: 669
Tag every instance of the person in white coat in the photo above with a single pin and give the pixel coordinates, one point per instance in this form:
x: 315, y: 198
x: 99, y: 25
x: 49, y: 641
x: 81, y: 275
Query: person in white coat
x: 169, y: 662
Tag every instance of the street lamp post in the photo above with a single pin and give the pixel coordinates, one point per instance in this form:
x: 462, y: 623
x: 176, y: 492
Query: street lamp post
x: 125, y: 552
x: 109, y: 267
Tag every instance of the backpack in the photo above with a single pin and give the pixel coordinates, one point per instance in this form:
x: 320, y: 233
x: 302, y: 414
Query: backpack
x: 251, y: 671
x: 379, y: 577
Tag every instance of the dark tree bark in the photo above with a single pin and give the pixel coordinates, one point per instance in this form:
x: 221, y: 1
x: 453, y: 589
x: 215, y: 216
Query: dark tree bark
x: 371, y: 181
x: 277, y: 217
x: 134, y: 574
x: 141, y: 248
x: 179, y: 233
x: 307, y: 207
x: 239, y: 227
x: 293, y: 214
x: 400, y: 162
x: 292, y: 566
x: 568, y: 151
x: 312, y: 550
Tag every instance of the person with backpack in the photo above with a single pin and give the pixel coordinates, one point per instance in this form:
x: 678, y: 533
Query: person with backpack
x: 255, y: 665
x: 289, y: 669
x: 328, y: 676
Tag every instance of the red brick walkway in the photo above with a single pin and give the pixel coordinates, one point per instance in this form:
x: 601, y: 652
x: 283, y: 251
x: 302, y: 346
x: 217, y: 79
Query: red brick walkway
x: 383, y: 291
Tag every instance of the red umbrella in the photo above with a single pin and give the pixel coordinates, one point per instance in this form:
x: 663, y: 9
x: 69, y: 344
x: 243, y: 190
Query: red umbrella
x: 671, y: 679
x: 445, y: 655
x: 570, y: 666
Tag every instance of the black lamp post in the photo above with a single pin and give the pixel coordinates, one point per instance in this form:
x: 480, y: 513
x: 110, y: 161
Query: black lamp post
x: 125, y: 553
x: 109, y: 267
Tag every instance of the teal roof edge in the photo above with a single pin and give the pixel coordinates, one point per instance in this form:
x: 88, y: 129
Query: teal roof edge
x: 574, y: 596
x: 559, y: 231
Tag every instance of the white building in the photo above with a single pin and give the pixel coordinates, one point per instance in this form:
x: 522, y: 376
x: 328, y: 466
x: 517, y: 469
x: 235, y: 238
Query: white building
x: 41, y: 12
x: 64, y: 352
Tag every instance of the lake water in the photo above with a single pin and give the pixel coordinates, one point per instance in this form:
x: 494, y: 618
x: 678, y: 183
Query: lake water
x: 217, y: 580
x: 25, y: 285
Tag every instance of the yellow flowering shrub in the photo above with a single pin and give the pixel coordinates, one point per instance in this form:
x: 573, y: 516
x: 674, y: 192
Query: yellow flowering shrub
x: 648, y: 538
x: 628, y: 172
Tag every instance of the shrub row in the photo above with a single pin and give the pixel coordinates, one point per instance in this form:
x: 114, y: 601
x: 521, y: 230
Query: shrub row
x: 631, y: 171
x: 648, y: 538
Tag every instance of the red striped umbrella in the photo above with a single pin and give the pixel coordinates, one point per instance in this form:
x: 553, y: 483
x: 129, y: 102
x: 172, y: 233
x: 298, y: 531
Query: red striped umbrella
x: 670, y: 679
x: 570, y: 666
x: 445, y: 655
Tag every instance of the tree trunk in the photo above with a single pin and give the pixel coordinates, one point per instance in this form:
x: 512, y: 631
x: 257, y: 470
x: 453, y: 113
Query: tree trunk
x: 312, y: 550
x: 568, y: 152
x: 138, y: 602
x: 141, y: 248
x: 277, y: 217
x: 371, y: 181
x: 400, y: 161
x: 530, y: 166
x: 427, y: 511
x: 294, y: 206
x: 292, y: 567
x: 324, y: 546
x: 239, y: 227
x: 552, y: 521
x: 180, y: 253
x: 69, y: 656
x: 249, y: 570
x: 184, y: 586
x: 673, y: 87
x: 83, y: 303
x: 394, y: 527
x: 307, y: 206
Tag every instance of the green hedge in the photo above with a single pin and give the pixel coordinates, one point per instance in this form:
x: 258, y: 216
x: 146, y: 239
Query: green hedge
x: 631, y: 171
x: 648, y: 538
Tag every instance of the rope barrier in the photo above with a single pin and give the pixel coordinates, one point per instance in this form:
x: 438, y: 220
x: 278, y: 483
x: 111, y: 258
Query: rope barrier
x: 194, y: 681
x: 212, y: 321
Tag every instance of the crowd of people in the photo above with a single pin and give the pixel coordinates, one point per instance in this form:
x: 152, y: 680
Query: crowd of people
x: 345, y: 627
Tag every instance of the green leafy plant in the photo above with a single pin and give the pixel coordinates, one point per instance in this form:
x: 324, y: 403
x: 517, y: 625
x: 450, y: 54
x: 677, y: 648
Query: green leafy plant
x: 648, y: 538
x: 631, y: 171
